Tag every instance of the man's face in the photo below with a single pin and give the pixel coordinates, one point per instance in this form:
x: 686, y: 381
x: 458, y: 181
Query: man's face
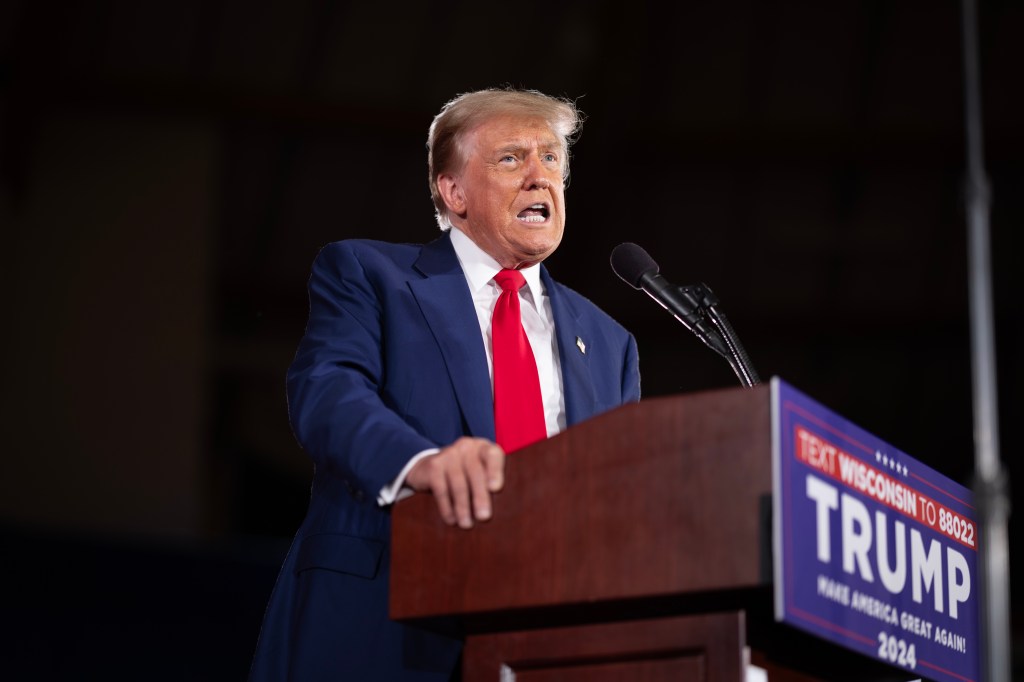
x: 508, y: 197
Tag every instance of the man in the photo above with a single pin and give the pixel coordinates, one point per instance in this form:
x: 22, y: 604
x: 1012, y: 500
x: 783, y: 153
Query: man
x: 391, y: 388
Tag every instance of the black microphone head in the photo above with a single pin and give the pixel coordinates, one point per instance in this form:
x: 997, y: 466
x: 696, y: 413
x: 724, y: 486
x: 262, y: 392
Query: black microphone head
x: 631, y: 263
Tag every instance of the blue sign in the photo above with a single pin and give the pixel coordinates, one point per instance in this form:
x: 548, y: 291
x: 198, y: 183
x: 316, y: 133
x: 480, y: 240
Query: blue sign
x: 874, y: 551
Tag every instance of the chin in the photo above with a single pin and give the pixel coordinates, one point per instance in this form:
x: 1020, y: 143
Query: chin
x: 538, y: 254
x: 547, y: 236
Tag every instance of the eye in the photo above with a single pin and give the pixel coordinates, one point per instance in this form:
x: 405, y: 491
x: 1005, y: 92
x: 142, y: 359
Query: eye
x: 508, y: 158
x: 550, y: 158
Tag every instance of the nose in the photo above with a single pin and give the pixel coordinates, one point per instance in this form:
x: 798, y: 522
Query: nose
x: 534, y: 175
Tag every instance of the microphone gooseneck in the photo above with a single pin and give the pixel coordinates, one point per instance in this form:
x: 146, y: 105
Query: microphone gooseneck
x: 695, y: 306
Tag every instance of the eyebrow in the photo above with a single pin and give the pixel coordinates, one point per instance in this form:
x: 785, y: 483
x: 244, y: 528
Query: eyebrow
x: 546, y: 145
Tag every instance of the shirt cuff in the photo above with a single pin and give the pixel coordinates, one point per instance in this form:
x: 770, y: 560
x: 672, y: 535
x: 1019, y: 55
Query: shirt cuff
x: 396, y: 491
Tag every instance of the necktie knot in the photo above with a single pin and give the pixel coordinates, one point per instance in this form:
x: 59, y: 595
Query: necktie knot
x: 510, y: 280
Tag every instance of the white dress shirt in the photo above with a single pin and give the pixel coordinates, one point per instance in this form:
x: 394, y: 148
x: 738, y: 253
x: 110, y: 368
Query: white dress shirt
x: 538, y: 321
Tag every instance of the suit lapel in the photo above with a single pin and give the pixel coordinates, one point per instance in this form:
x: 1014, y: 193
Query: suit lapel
x: 445, y: 301
x: 577, y: 380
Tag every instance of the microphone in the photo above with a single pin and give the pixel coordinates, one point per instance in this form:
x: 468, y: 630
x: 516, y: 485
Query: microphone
x: 688, y: 304
x: 636, y: 267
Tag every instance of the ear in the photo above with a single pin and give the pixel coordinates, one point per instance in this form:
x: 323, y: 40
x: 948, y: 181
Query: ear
x: 452, y: 194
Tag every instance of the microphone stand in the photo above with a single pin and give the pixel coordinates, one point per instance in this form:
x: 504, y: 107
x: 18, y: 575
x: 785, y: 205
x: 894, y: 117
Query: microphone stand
x: 706, y: 303
x: 990, y: 482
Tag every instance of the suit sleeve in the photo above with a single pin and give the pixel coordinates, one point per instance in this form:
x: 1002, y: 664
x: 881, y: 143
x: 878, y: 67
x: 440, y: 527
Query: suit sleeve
x: 334, y: 383
x: 631, y: 373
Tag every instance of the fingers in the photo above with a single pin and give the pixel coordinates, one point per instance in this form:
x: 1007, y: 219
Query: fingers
x: 444, y: 503
x: 459, y: 491
x: 494, y: 467
x: 485, y: 473
x: 461, y: 478
x: 473, y: 467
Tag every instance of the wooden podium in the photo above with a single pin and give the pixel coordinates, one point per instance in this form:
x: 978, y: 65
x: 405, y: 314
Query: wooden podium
x: 634, y: 546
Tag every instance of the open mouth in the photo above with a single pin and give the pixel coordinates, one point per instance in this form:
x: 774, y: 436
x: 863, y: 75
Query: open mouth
x: 536, y: 213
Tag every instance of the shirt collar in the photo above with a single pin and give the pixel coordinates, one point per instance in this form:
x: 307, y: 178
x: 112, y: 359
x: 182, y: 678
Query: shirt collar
x: 480, y: 268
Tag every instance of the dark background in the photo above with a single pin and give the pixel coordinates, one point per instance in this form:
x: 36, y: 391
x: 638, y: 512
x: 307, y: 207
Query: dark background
x: 168, y: 171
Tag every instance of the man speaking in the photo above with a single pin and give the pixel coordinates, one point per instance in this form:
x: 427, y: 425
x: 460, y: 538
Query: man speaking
x: 420, y: 368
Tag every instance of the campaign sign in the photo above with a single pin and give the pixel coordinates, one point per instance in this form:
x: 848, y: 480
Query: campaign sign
x: 874, y: 551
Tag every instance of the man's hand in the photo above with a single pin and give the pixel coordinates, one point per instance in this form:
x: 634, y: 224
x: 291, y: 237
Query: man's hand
x: 462, y: 477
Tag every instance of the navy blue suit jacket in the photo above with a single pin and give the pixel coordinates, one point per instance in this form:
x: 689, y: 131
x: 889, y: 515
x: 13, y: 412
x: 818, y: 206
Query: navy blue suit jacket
x: 393, y: 363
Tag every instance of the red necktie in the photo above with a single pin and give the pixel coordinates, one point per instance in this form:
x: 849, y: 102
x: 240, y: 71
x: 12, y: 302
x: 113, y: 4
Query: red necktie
x: 518, y: 407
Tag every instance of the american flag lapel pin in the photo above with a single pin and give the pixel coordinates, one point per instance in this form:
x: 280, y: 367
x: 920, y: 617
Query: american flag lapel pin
x: 582, y: 346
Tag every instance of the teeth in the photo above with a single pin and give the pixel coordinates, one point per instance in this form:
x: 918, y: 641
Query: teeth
x: 538, y: 206
x: 533, y: 219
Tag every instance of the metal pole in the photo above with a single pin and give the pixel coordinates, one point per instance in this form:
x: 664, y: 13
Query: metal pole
x: 990, y: 477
